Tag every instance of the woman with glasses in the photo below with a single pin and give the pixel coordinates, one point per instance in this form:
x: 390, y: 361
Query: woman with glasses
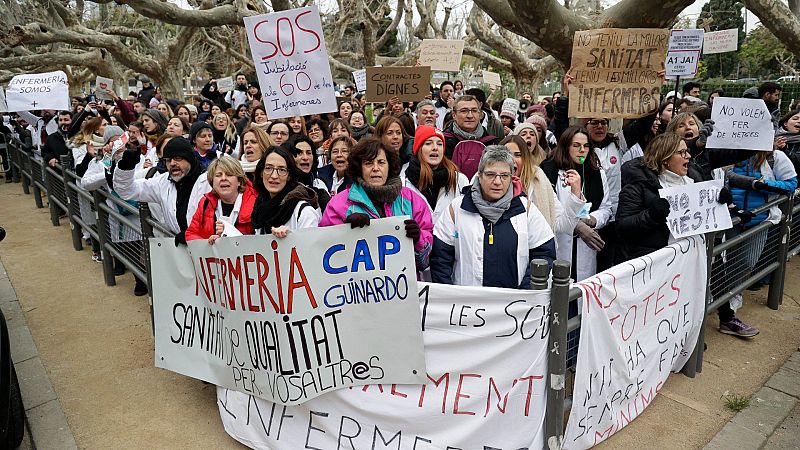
x: 489, y: 234
x: 283, y: 203
x: 574, y: 170
x: 279, y: 131
x: 378, y: 192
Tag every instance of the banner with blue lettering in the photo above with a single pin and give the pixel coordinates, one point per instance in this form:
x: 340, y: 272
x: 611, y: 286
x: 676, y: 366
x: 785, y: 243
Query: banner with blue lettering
x: 485, y: 386
x: 290, y: 319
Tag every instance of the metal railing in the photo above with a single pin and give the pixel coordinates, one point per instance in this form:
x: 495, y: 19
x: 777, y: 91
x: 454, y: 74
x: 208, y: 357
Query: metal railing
x: 122, y: 231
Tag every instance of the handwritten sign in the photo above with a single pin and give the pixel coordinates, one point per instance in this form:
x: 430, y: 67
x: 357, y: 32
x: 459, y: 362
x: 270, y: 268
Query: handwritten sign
x: 682, y: 63
x: 360, y: 77
x: 492, y: 78
x: 291, y: 61
x: 409, y: 84
x: 101, y: 84
x: 741, y: 123
x: 722, y: 41
x: 225, y: 84
x: 486, y: 354
x: 640, y: 321
x: 441, y: 54
x: 616, y: 72
x: 290, y: 319
x: 694, y: 209
x: 33, y: 91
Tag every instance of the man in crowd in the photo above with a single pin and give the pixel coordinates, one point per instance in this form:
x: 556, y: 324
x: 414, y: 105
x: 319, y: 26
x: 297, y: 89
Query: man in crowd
x: 426, y: 113
x: 238, y: 96
x: 466, y: 138
x: 692, y: 88
x: 445, y: 102
x: 39, y: 127
x: 770, y: 92
x: 148, y: 90
x: 56, y: 144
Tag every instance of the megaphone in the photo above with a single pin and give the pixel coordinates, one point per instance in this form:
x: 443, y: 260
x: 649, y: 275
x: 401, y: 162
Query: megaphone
x: 523, y: 106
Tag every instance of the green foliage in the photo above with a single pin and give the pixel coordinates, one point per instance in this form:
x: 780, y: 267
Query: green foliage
x: 725, y: 15
x: 735, y: 402
x: 761, y: 54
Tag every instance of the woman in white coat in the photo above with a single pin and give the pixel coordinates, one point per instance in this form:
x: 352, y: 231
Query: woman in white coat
x: 573, y: 157
x: 430, y: 173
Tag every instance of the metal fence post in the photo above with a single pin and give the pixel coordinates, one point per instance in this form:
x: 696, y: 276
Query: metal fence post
x: 48, y: 183
x: 73, y: 207
x: 37, y: 192
x: 776, y: 282
x: 104, y: 238
x: 540, y: 274
x: 24, y: 167
x: 695, y: 363
x: 557, y: 355
x: 147, y: 232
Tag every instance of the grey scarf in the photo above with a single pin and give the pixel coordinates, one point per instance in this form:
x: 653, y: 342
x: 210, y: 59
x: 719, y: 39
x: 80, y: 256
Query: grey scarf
x: 791, y: 138
x: 492, y: 211
x: 474, y: 136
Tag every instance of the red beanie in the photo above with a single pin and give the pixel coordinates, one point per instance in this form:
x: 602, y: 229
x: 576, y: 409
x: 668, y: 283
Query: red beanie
x: 423, y: 133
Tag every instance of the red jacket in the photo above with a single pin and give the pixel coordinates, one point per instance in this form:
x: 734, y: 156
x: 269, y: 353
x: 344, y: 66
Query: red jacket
x: 203, y: 222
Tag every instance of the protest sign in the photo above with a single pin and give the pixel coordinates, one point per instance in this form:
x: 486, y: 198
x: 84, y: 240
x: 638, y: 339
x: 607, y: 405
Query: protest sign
x: 409, y: 84
x: 100, y: 86
x: 616, y: 72
x: 441, y: 54
x: 684, y: 40
x: 32, y: 91
x: 682, y: 63
x: 741, y: 123
x: 225, y: 84
x: 291, y: 61
x: 486, y: 354
x: 492, y: 78
x: 722, y: 41
x: 640, y: 321
x: 694, y: 209
x: 360, y: 77
x: 290, y: 319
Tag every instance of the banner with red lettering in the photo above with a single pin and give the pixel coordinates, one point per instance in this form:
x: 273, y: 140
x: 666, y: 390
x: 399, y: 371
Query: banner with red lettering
x: 486, y: 355
x: 290, y: 319
x: 639, y: 321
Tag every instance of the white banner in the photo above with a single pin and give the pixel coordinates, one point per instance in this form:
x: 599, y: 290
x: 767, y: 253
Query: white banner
x: 290, y: 319
x: 722, y: 41
x: 225, y: 84
x: 694, y: 209
x: 360, y: 77
x: 741, y: 123
x: 38, y: 91
x: 100, y: 86
x: 640, y: 321
x: 486, y: 354
x: 291, y: 60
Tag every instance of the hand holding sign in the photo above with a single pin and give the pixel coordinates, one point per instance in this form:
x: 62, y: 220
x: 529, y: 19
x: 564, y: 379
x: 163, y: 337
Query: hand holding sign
x: 695, y: 208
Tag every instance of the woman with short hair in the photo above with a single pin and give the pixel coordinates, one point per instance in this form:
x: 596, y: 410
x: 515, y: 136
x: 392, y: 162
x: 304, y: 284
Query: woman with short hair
x: 334, y: 175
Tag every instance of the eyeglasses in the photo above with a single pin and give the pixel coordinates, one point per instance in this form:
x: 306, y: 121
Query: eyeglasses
x: 684, y: 153
x: 278, y: 133
x: 596, y: 123
x: 282, y: 171
x: 465, y: 111
x: 340, y: 152
x: 504, y: 176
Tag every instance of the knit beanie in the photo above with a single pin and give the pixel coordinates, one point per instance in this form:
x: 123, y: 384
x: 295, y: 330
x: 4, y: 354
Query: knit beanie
x: 192, y: 109
x: 527, y: 124
x: 111, y: 131
x: 536, y: 108
x: 537, y: 120
x: 179, y: 146
x: 158, y: 117
x: 509, y: 108
x: 197, y: 127
x: 423, y: 133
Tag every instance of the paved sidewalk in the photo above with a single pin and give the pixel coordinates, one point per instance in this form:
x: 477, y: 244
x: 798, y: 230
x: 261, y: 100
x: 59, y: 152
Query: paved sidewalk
x: 772, y: 421
x: 46, y: 424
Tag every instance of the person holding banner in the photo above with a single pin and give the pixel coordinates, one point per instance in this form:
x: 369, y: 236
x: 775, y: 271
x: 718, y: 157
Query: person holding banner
x: 229, y: 203
x: 378, y: 192
x: 574, y: 156
x: 490, y: 233
x: 430, y: 174
x: 284, y: 204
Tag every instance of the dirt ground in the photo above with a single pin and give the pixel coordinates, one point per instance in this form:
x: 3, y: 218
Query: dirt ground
x: 96, y: 344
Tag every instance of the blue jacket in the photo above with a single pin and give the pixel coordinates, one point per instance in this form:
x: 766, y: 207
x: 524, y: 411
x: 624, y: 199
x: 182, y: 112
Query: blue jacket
x: 749, y: 200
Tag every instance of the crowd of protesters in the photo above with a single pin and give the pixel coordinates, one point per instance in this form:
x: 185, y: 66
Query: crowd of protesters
x: 486, y: 186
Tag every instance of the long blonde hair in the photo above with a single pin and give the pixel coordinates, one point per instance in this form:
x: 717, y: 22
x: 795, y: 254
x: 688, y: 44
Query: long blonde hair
x: 527, y: 172
x: 230, y: 130
x: 659, y: 150
x: 88, y: 128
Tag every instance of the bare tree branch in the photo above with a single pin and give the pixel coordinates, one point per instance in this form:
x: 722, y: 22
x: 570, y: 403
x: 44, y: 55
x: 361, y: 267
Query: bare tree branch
x: 778, y: 19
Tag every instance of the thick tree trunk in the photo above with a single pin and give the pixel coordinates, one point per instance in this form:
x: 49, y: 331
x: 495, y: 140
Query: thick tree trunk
x: 778, y: 19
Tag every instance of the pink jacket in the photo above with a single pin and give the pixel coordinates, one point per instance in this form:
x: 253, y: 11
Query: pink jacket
x: 354, y: 200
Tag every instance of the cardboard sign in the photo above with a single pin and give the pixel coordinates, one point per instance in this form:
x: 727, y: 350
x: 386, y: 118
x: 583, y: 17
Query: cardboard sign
x: 33, y: 91
x: 492, y: 78
x: 741, y: 123
x: 683, y: 40
x: 360, y: 77
x: 409, y: 84
x: 225, y: 84
x: 722, y: 41
x: 101, y: 84
x: 441, y: 54
x: 486, y: 354
x: 639, y: 322
x: 291, y: 61
x: 682, y: 63
x: 290, y: 319
x: 616, y: 72
x: 694, y: 209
